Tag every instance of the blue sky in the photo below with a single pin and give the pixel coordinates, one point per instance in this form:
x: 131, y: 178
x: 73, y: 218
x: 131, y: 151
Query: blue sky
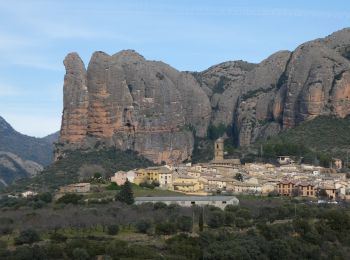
x: 35, y: 36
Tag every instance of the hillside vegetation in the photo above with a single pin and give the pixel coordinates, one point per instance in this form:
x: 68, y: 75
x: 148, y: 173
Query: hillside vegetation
x: 326, y: 134
x: 260, y: 228
x: 80, y: 165
x: 317, y: 141
x: 322, y: 138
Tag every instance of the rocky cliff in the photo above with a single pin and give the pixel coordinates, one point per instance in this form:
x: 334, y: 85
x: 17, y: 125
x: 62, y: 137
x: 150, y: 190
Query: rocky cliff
x: 283, y: 90
x: 128, y: 102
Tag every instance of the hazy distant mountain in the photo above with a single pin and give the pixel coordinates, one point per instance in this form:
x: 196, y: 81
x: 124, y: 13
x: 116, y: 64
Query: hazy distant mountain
x: 39, y: 150
x: 52, y: 137
x: 13, y: 167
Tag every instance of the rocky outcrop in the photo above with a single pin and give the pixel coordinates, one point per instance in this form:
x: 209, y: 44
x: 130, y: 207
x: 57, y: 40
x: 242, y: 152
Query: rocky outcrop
x: 75, y: 100
x: 128, y: 102
x: 285, y: 89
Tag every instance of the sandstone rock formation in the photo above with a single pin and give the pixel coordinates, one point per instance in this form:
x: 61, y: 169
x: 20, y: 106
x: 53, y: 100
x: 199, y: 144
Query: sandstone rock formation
x: 128, y: 102
x: 285, y: 89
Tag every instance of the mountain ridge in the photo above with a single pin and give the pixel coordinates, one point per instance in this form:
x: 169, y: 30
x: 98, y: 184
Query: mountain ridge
x: 39, y: 150
x: 128, y: 102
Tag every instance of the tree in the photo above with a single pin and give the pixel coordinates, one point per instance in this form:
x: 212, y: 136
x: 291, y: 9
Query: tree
x: 113, y: 229
x: 126, y: 194
x: 159, y: 205
x: 45, y: 197
x: 165, y: 228
x: 216, y: 219
x: 201, y: 221
x: 280, y: 249
x: 97, y: 175
x: 142, y: 226
x: 295, y: 192
x: 57, y: 237
x: 229, y: 218
x: 28, y: 236
x: 184, y: 223
x: 80, y: 254
x: 322, y: 194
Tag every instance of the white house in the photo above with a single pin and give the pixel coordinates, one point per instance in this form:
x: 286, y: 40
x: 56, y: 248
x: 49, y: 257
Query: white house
x: 119, y: 177
x: 165, y: 178
x: 28, y: 193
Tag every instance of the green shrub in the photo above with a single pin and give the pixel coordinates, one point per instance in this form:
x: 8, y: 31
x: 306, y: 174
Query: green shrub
x: 70, y: 198
x: 118, y: 248
x: 57, y: 237
x: 54, y: 251
x: 159, y: 205
x: 165, y: 228
x: 184, y: 223
x: 147, y: 185
x: 113, y: 229
x: 80, y: 254
x: 143, y: 226
x: 229, y: 218
x: 45, y: 197
x: 113, y: 186
x: 216, y: 219
x: 28, y: 236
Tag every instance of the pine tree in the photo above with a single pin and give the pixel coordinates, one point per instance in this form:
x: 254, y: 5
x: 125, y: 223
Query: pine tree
x: 200, y: 221
x: 125, y: 195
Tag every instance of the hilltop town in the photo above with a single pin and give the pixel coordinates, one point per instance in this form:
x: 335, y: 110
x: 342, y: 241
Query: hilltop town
x: 230, y: 177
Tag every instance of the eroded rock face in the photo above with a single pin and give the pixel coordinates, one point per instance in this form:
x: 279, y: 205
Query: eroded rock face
x: 75, y: 100
x: 130, y: 103
x: 284, y: 90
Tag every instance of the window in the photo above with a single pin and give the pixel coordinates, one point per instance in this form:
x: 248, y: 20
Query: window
x: 224, y: 202
x: 193, y: 202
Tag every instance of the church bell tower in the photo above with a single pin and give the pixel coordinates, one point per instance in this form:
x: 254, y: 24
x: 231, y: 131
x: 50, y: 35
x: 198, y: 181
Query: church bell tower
x: 219, y: 149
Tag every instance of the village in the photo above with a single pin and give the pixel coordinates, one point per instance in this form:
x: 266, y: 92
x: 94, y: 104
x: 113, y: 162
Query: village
x: 229, y: 177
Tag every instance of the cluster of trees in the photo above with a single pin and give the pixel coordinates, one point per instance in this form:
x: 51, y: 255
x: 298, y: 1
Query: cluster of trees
x: 270, y: 151
x: 235, y: 233
x: 265, y: 229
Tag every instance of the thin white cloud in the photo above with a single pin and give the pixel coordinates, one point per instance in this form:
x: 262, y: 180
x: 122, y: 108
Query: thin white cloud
x: 7, y: 90
x: 37, y: 64
x: 11, y: 41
